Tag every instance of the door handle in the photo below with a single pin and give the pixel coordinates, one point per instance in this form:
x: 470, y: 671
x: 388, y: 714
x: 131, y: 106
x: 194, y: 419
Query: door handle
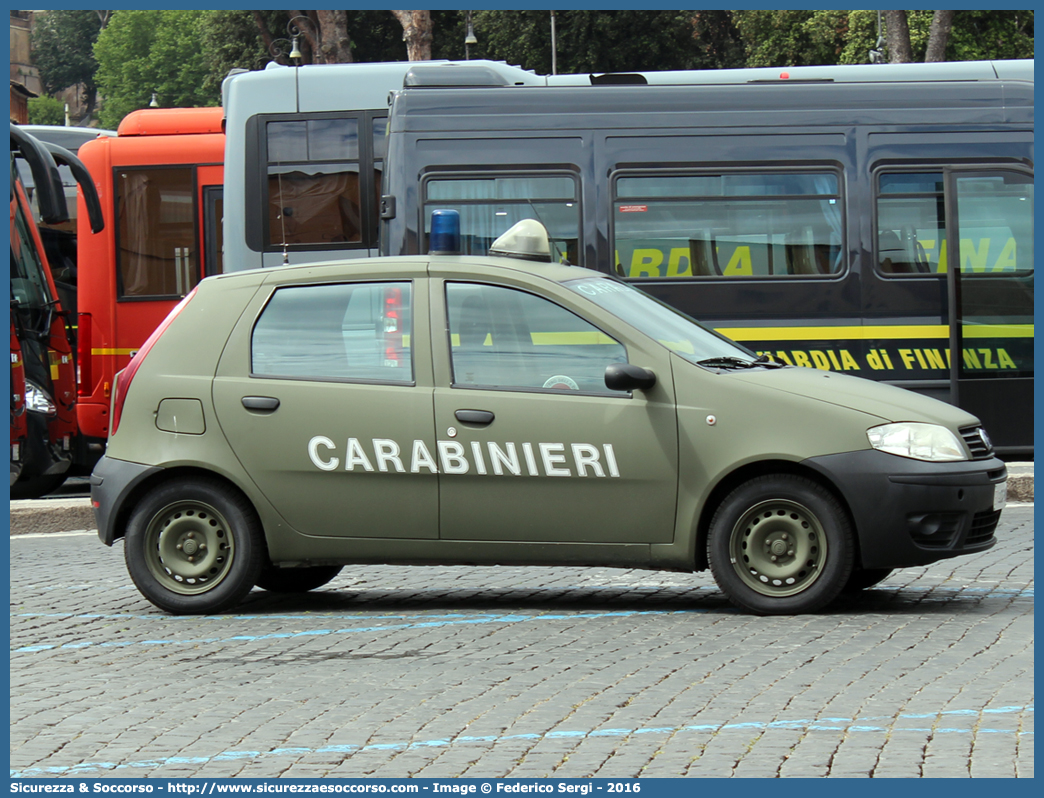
x: 480, y: 417
x: 263, y: 403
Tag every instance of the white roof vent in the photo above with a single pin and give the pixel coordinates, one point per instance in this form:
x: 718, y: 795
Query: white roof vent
x: 526, y: 240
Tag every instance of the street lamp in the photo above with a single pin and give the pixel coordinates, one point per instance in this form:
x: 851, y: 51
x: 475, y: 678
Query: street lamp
x: 469, y: 39
x: 294, y: 31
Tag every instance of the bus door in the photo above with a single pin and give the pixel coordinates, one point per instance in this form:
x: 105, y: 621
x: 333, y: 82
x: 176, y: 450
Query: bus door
x: 991, y: 332
x: 213, y: 206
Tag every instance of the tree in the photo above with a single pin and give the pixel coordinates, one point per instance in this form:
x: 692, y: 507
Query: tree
x: 46, y: 111
x: 63, y: 51
x: 417, y: 33
x: 601, y: 41
x: 141, y: 52
x: 793, y: 38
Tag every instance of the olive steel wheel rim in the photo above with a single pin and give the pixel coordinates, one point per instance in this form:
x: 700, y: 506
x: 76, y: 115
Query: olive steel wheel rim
x: 778, y: 548
x: 189, y: 547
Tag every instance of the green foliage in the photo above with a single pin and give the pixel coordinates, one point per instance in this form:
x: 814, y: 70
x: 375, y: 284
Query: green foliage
x: 62, y: 43
x: 793, y: 38
x: 46, y: 111
x: 991, y: 34
x: 141, y: 52
x: 591, y: 41
x: 183, y: 56
x: 231, y: 40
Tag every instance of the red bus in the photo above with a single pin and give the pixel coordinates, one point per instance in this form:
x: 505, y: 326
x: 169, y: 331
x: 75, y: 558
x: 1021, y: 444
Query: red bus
x: 160, y: 182
x: 43, y: 419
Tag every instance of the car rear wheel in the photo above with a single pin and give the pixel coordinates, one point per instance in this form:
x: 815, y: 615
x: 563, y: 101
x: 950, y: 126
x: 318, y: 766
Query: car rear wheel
x: 780, y: 545
x: 862, y: 578
x: 194, y: 546
x: 296, y: 580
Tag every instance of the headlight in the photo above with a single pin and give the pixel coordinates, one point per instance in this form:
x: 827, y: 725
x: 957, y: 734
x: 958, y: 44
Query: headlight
x: 919, y: 441
x: 37, y: 400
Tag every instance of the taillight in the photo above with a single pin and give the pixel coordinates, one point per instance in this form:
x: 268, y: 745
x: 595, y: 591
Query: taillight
x: 392, y: 326
x: 124, y: 378
x: 84, y: 361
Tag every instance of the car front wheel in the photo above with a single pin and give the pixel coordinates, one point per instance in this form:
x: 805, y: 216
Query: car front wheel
x: 780, y: 545
x: 194, y: 546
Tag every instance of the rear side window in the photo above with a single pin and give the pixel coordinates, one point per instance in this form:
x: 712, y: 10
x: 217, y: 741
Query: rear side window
x: 352, y: 332
x: 729, y: 224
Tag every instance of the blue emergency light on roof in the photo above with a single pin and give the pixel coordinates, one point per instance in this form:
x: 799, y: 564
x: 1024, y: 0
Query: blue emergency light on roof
x: 445, y: 233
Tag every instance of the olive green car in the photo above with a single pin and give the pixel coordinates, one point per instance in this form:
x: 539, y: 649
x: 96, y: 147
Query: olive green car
x: 442, y: 409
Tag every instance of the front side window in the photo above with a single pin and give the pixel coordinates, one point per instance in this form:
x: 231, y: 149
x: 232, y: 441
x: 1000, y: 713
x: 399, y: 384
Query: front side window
x: 489, y: 205
x: 156, y: 232
x: 509, y: 339
x: 730, y: 224
x: 350, y: 332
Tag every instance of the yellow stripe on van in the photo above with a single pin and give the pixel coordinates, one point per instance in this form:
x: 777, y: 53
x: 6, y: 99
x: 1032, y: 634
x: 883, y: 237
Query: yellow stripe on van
x: 875, y: 332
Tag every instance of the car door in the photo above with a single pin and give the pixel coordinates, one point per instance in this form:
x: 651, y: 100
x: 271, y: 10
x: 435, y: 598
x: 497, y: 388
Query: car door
x: 326, y: 400
x: 532, y: 445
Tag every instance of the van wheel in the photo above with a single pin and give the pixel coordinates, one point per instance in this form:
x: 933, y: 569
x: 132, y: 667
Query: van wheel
x: 780, y: 545
x: 194, y: 547
x: 296, y: 580
x: 862, y: 578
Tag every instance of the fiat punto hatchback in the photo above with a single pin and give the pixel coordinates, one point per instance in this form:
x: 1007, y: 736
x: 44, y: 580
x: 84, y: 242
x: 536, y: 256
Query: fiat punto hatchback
x: 441, y: 409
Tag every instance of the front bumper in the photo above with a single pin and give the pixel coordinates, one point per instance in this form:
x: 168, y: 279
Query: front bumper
x: 908, y: 512
x: 112, y: 484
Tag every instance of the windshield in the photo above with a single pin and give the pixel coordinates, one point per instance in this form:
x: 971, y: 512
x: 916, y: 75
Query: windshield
x: 674, y: 330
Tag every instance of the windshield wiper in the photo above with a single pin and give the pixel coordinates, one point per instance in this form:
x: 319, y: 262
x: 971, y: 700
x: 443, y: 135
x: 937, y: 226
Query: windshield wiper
x: 729, y: 362
x: 768, y: 362
x: 726, y: 362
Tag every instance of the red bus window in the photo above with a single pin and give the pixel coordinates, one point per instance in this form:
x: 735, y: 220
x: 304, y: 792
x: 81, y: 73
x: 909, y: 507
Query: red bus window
x: 156, y: 230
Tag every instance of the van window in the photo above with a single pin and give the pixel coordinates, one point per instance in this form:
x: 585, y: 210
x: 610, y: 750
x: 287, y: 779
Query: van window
x: 352, y: 332
x: 313, y: 182
x: 491, y: 204
x: 911, y: 223
x: 729, y: 224
x: 995, y: 211
x: 995, y: 218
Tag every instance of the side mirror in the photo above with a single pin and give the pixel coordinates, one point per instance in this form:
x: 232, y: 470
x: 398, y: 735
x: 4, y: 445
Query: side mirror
x: 627, y: 377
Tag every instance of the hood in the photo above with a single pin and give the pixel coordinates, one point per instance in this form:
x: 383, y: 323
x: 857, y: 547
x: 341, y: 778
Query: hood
x: 867, y: 396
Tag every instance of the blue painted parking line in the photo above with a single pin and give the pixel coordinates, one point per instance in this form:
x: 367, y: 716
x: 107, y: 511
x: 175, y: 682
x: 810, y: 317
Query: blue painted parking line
x: 485, y: 619
x: 831, y: 724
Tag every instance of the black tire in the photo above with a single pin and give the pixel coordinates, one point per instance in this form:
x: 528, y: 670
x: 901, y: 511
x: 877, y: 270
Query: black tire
x: 35, y: 487
x: 194, y: 546
x: 296, y: 580
x: 780, y: 545
x: 862, y: 578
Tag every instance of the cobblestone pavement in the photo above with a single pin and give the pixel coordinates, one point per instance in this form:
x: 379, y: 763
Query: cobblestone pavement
x: 522, y: 672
